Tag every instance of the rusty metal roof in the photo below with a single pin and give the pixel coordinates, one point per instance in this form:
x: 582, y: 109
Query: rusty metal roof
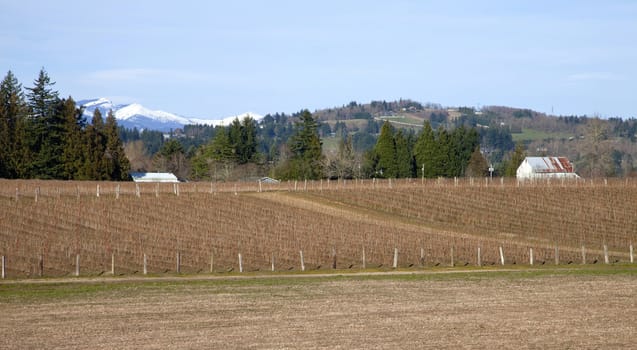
x: 550, y: 164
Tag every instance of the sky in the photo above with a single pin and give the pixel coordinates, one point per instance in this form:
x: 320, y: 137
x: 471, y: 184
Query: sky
x: 213, y: 59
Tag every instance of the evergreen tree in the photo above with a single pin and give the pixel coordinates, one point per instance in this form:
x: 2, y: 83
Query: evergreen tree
x: 463, y: 142
x: 118, y: 165
x: 249, y: 138
x: 12, y: 128
x: 95, y: 167
x: 243, y: 138
x: 517, y: 157
x: 42, y: 98
x: 235, y: 138
x: 73, y: 151
x: 477, y: 165
x: 442, y: 156
x: 171, y: 158
x: 214, y: 160
x: 222, y: 147
x: 404, y: 159
x: 45, y: 128
x: 425, y: 151
x: 385, y: 150
x: 306, y: 147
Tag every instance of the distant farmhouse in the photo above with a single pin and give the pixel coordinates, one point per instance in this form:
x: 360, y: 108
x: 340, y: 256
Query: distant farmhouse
x: 537, y: 168
x: 153, y: 177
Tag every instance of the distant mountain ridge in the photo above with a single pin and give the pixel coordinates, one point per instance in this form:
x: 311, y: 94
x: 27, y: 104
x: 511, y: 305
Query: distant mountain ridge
x: 137, y: 116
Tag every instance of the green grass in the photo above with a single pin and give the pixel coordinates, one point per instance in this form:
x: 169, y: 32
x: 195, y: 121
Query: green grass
x: 43, y: 291
x: 536, y: 135
x: 403, y: 119
x: 330, y: 144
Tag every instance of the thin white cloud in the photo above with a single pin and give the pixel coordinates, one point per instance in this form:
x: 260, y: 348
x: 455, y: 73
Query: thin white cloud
x: 595, y: 76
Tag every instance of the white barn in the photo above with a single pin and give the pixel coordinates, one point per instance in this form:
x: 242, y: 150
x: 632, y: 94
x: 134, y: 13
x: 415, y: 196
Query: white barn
x: 153, y: 177
x: 535, y: 168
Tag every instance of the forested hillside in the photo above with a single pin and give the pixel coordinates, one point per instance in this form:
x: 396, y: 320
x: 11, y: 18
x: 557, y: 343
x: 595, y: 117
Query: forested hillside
x: 45, y: 136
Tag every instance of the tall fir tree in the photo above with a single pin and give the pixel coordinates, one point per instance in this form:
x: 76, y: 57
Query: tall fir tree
x: 95, y: 167
x: 243, y: 138
x: 45, y: 128
x: 425, y: 151
x: 463, y: 142
x: 385, y: 150
x: 249, y: 138
x: 73, y: 152
x: 404, y: 159
x: 13, y: 111
x: 117, y: 163
x: 306, y: 147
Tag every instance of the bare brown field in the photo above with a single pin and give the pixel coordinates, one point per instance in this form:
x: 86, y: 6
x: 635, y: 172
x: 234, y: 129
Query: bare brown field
x: 45, y: 225
x: 510, y: 311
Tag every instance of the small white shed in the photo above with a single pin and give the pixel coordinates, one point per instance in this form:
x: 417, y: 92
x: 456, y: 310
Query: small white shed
x: 153, y: 177
x: 533, y: 168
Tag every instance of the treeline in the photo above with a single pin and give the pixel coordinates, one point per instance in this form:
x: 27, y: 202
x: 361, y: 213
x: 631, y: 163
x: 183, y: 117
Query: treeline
x: 290, y: 147
x: 431, y: 153
x: 244, y: 149
x: 43, y: 136
x: 47, y: 137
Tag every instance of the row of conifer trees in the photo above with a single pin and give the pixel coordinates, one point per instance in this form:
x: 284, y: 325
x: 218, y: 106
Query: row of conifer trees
x: 43, y: 136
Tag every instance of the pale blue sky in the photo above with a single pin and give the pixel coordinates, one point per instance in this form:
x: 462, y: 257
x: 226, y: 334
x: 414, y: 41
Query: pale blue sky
x: 213, y: 59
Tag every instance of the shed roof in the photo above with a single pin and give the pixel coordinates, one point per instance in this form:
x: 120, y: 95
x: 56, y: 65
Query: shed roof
x: 550, y: 164
x: 153, y: 177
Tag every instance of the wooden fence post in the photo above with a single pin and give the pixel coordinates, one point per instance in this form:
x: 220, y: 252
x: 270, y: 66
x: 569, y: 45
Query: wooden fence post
x: 272, y: 262
x: 395, y: 265
x: 557, y: 255
x: 240, y: 263
x: 4, y: 273
x: 98, y: 191
x: 631, y: 253
x: 583, y: 255
x: 422, y: 257
x: 117, y: 192
x: 137, y: 193
x: 531, y: 256
x: 113, y: 264
x: 333, y: 258
x: 479, y: 257
x: 364, y: 262
x: 41, y: 266
x: 145, y: 265
x: 178, y: 262
x: 452, y: 261
x: 501, y: 256
x: 605, y: 254
x: 302, y: 261
x: 77, y: 265
x: 212, y: 262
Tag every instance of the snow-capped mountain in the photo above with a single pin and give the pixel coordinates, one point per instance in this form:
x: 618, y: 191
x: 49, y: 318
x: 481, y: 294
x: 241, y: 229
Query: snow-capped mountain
x: 137, y: 116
